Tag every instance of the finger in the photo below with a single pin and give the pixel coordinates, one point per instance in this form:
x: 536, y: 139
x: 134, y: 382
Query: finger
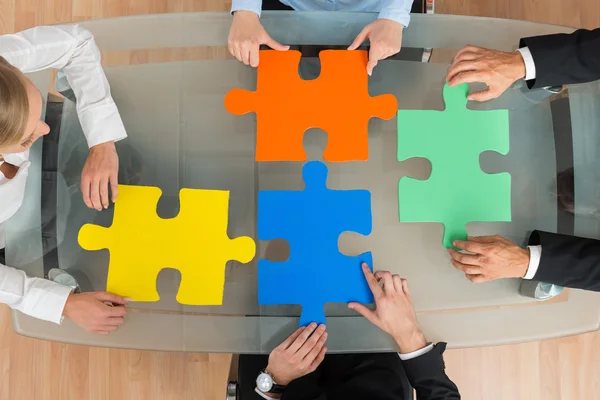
x: 360, y: 39
x: 302, y: 338
x: 397, y: 283
x: 375, y: 54
x: 99, y: 332
x: 318, y: 360
x: 114, y: 185
x: 365, y: 312
x: 108, y: 328
x: 469, y: 77
x: 467, y: 269
x: 116, y: 321
x: 104, y: 192
x: 254, y: 56
x: 113, y: 298
x: 287, y: 342
x: 388, y: 281
x: 245, y: 53
x: 465, y: 56
x: 85, y: 190
x: 484, y: 239
x: 467, y: 49
x: 95, y: 194
x: 484, y: 95
x: 459, y: 68
x: 311, y: 342
x: 275, y: 45
x: 405, y: 287
x: 316, y: 350
x: 476, y: 278
x: 238, y: 53
x: 372, y: 281
x: 117, y: 312
x: 472, y: 247
x: 468, y: 259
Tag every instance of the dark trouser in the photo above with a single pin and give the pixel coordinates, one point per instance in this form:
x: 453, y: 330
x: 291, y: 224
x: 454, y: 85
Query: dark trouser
x: 348, y: 376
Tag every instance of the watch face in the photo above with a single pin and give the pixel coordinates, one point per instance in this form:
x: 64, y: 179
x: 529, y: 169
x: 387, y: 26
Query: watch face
x: 264, y: 382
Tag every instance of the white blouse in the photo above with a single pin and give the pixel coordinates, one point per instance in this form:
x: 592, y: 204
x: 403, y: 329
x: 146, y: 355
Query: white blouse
x: 72, y: 49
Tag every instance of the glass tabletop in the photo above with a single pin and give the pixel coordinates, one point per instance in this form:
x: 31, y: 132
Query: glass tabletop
x: 181, y: 136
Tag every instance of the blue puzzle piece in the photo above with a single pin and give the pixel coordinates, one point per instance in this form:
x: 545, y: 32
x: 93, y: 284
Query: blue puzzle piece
x: 312, y: 221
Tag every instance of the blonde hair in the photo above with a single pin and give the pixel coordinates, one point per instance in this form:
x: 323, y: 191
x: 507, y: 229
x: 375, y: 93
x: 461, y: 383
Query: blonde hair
x: 14, y: 105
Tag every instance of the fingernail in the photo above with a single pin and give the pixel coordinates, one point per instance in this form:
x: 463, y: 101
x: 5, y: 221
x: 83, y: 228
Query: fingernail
x: 312, y: 325
x: 128, y: 299
x: 351, y: 306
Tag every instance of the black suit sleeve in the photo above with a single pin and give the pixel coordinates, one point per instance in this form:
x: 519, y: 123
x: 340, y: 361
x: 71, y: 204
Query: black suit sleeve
x: 427, y: 376
x: 563, y: 59
x: 568, y: 261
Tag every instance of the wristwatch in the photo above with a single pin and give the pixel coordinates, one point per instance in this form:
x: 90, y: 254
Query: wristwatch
x: 266, y: 384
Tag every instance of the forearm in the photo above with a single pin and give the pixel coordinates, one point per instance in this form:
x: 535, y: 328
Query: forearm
x: 396, y: 10
x: 427, y: 375
x: 565, y: 58
x: 568, y: 261
x: 246, y: 5
x: 39, y: 298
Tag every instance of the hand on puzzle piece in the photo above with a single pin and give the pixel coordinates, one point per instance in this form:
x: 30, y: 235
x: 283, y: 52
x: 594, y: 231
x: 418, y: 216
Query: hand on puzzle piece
x: 492, y: 257
x: 100, y: 171
x: 385, y: 37
x: 90, y: 311
x: 299, y: 355
x: 394, y: 312
x: 246, y: 35
x: 497, y: 69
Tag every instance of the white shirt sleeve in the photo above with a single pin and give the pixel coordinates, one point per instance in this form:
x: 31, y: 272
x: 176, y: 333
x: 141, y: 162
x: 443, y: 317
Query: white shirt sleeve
x: 72, y: 49
x: 37, y: 297
x: 246, y: 5
x: 535, y: 255
x: 416, y: 353
x: 529, y: 63
x: 263, y: 395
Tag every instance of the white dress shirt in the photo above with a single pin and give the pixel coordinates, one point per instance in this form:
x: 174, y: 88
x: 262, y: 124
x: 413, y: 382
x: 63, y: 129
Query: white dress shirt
x: 529, y: 64
x: 403, y: 357
x: 396, y: 10
x: 72, y: 49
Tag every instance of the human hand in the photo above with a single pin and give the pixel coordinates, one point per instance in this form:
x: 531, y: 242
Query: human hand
x: 100, y: 171
x: 385, y: 37
x: 299, y: 355
x: 394, y: 312
x: 90, y: 311
x: 494, y: 257
x: 497, y: 69
x: 246, y: 35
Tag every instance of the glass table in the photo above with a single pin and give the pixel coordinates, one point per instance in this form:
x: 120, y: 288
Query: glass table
x: 180, y: 135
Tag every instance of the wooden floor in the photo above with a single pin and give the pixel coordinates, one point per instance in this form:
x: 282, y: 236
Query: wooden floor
x: 565, y: 369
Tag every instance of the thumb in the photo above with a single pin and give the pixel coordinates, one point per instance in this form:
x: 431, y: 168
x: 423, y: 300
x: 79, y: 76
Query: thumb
x: 362, y: 36
x: 364, y: 311
x: 113, y: 298
x: 275, y: 45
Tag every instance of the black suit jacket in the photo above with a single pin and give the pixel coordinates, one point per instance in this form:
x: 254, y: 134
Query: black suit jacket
x: 563, y: 59
x: 376, y: 377
x: 568, y: 261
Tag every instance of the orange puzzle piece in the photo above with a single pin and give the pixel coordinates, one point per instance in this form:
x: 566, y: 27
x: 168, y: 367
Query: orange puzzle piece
x: 286, y: 106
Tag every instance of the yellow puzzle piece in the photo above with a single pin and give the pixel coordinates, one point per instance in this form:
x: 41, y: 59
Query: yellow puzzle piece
x: 195, y: 242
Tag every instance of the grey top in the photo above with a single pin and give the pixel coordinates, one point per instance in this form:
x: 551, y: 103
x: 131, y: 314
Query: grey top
x: 180, y: 135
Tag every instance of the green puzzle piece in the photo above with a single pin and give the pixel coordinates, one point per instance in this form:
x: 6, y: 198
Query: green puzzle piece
x: 458, y: 191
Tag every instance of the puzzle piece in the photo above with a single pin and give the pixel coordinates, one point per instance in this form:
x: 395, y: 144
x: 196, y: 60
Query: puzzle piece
x: 337, y: 101
x: 458, y: 191
x: 195, y: 242
x: 312, y: 221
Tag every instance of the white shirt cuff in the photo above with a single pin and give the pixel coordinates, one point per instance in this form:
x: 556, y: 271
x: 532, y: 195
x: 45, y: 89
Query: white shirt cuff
x: 416, y: 353
x: 264, y: 396
x: 46, y: 300
x: 529, y: 64
x: 535, y: 254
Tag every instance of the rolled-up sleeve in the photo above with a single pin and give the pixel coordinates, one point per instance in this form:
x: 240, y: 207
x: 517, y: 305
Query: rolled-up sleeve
x: 72, y: 49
